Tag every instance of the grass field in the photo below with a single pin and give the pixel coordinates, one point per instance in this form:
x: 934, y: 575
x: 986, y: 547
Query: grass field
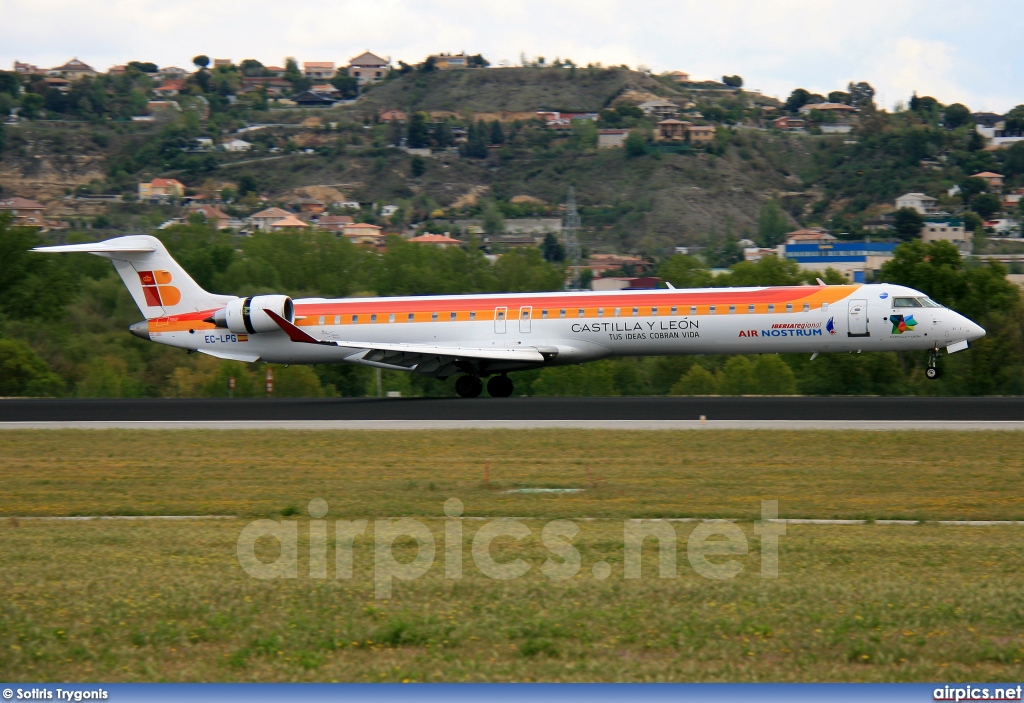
x: 152, y: 601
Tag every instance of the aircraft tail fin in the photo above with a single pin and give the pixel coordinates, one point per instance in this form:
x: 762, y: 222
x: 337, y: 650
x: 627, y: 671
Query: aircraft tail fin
x: 159, y: 285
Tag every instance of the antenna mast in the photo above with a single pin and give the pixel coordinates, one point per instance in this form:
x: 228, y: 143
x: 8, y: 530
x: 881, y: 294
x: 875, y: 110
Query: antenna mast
x: 570, y: 230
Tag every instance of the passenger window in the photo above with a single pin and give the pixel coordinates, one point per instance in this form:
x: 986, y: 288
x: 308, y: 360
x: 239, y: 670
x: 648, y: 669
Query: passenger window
x: 654, y: 312
x: 732, y: 309
x: 337, y: 319
x: 472, y: 315
x: 355, y: 319
x: 906, y: 303
x: 433, y: 317
x: 789, y: 307
x: 561, y: 313
x: 824, y: 307
x: 675, y: 310
x: 617, y: 310
x: 581, y: 312
x: 771, y: 307
x: 321, y: 320
x: 453, y: 316
x: 807, y: 306
x: 711, y: 310
x: 412, y: 316
x: 391, y: 317
x: 373, y: 318
x: 600, y: 312
x: 750, y: 308
x: 636, y: 311
x: 544, y: 314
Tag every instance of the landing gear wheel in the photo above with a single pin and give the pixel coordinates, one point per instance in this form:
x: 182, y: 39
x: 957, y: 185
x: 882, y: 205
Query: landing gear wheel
x: 500, y: 387
x: 468, y: 386
x: 933, y: 372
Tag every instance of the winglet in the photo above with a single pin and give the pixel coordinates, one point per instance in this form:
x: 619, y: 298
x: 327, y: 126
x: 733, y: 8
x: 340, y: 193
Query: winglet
x: 670, y: 286
x: 820, y: 282
x: 293, y: 332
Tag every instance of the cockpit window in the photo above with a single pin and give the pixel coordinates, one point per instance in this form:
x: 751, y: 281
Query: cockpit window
x: 914, y: 303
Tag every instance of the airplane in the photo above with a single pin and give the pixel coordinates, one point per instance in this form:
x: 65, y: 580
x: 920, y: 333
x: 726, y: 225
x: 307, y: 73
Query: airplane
x: 489, y: 335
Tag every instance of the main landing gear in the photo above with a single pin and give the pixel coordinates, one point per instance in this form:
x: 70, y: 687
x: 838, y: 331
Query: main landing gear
x: 468, y: 386
x: 471, y: 386
x: 933, y: 371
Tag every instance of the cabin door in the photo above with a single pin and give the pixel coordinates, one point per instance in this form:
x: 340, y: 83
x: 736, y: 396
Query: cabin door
x: 858, y: 319
x: 499, y: 320
x: 525, y: 315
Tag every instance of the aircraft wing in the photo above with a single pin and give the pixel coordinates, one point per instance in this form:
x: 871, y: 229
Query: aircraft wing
x: 422, y: 358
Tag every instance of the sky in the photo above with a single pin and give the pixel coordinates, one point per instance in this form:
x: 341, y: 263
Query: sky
x: 955, y: 51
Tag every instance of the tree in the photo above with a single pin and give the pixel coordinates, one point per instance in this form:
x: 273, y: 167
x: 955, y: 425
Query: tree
x: 252, y: 68
x: 797, y: 99
x: 23, y: 373
x: 477, y: 61
x: 861, y: 94
x: 972, y: 186
x: 419, y: 135
x: 552, y: 249
x: 493, y: 221
x: 922, y: 105
x: 345, y: 84
x: 986, y: 205
x: 201, y: 61
x: 773, y: 376
x: 908, y: 222
x: 1013, y: 160
x: 635, y: 144
x: 497, y: 133
x: 733, y: 81
x: 697, y: 381
x: 10, y: 82
x: 476, y: 141
x: 247, y: 184
x: 31, y: 105
x: 956, y: 115
x: 838, y: 96
x: 417, y: 166
x: 143, y: 66
x: 772, y: 224
x: 293, y: 75
x: 443, y: 137
x: 737, y: 377
x: 684, y: 271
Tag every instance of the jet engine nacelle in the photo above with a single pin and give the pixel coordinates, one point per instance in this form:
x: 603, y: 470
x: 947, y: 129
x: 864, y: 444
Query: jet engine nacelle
x: 248, y: 316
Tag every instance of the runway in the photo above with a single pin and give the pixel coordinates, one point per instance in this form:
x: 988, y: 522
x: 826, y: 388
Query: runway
x: 872, y: 413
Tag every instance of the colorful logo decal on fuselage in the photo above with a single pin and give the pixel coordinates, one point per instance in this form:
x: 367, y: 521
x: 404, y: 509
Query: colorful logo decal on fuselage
x: 902, y: 323
x: 831, y: 325
x: 156, y: 290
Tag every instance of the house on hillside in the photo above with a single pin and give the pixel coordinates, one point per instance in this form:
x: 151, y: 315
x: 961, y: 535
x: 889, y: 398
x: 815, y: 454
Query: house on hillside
x: 393, y: 115
x: 161, y: 189
x: 318, y: 70
x: 222, y: 63
x: 311, y: 99
x: 307, y: 205
x: 700, y: 135
x: 680, y: 76
x: 363, y: 233
x: 994, y: 180
x: 211, y: 213
x: 839, y: 109
x: 448, y: 62
x: 171, y: 72
x: 272, y: 84
x: 790, y: 124
x: 442, y: 241
x: 809, y: 235
x: 172, y: 87
x: 611, y: 138
x: 27, y: 69
x: 659, y: 108
x: 368, y: 68
x: 951, y: 230
x: 26, y: 213
x: 62, y: 85
x: 290, y: 223
x: 264, y: 219
x: 73, y: 70
x: 334, y: 223
x: 920, y: 202
x: 672, y: 130
x: 236, y: 145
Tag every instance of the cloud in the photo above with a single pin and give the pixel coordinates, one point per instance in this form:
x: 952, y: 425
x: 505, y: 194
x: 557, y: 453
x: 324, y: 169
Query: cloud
x: 897, y: 45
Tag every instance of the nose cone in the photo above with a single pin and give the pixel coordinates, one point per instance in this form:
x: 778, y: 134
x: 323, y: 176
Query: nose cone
x: 974, y: 330
x: 141, y: 330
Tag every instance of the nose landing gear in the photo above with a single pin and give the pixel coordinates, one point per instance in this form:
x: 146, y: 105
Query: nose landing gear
x: 933, y: 371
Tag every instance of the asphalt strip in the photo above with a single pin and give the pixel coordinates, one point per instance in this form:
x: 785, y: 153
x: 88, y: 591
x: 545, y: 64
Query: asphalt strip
x: 636, y: 425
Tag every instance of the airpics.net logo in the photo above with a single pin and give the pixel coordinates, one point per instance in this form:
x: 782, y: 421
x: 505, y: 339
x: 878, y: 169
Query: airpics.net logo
x: 722, y: 539
x: 156, y: 289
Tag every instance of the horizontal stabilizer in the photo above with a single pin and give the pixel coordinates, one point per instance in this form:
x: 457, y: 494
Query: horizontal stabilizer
x: 121, y: 245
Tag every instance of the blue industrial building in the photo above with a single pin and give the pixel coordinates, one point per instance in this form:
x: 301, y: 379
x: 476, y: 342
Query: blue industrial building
x: 853, y: 259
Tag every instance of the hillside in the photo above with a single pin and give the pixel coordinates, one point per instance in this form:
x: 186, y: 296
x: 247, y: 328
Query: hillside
x: 512, y: 90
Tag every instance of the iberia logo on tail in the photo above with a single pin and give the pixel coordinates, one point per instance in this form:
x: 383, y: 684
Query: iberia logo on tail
x: 156, y: 290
